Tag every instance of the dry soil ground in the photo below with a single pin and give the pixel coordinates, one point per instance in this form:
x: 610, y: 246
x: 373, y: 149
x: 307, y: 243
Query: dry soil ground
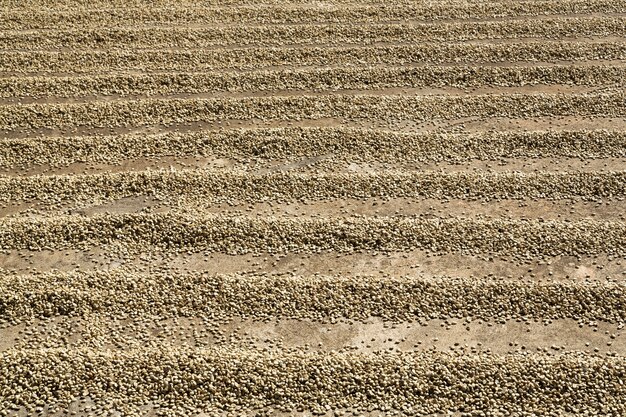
x: 292, y: 208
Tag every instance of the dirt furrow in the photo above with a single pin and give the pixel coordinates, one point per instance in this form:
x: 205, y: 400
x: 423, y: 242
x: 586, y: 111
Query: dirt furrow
x: 372, y: 335
x: 606, y: 209
x: 598, y: 267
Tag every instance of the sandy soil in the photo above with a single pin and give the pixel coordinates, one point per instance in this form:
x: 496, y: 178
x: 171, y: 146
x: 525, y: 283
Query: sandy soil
x: 43, y: 98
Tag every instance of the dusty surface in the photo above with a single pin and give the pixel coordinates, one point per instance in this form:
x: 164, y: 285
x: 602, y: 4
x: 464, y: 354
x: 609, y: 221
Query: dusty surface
x: 128, y: 114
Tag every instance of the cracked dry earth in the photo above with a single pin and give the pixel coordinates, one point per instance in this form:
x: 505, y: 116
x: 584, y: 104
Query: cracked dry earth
x: 294, y: 208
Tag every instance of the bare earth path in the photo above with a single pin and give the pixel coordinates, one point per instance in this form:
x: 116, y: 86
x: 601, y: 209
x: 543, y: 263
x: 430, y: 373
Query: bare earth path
x: 346, y: 207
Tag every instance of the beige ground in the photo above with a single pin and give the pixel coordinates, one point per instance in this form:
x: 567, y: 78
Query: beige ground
x: 585, y: 38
